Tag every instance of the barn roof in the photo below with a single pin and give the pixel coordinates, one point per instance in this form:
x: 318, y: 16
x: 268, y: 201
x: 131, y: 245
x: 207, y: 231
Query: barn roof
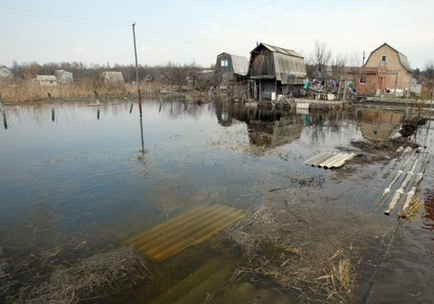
x: 240, y: 64
x: 287, y: 63
x: 276, y: 49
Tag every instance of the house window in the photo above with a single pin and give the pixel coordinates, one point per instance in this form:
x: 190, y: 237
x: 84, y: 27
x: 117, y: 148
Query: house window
x: 363, y: 79
x: 383, y: 60
x: 224, y: 63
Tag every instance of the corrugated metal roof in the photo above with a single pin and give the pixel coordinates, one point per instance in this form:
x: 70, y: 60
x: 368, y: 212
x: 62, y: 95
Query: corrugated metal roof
x: 288, y: 63
x: 280, y: 50
x: 287, y: 67
x: 329, y: 160
x: 404, y: 62
x: 240, y: 64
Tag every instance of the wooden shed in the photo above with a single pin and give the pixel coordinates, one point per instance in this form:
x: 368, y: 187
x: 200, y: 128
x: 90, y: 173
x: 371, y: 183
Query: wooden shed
x: 231, y: 70
x: 274, y: 71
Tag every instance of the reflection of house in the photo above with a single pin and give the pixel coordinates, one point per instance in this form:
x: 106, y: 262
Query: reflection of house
x: 5, y: 73
x: 386, y: 71
x: 273, y: 133
x: 378, y: 125
x: 274, y: 71
x: 231, y: 69
x: 46, y: 80
x: 63, y: 76
x: 112, y: 78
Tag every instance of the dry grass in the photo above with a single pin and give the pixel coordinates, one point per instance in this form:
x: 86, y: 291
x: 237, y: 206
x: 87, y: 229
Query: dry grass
x: 311, y: 250
x: 29, y: 92
x: 92, y: 280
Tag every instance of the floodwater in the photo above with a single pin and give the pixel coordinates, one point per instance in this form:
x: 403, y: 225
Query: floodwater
x: 83, y: 178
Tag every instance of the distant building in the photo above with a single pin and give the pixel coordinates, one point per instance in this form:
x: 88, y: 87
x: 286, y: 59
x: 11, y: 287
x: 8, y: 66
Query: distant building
x: 274, y: 71
x: 5, y: 73
x: 387, y: 71
x: 112, y: 78
x: 231, y: 69
x: 45, y: 80
x: 63, y: 76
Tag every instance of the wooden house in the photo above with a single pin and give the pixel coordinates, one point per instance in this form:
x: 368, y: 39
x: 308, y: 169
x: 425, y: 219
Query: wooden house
x: 387, y: 71
x: 231, y: 70
x: 274, y: 71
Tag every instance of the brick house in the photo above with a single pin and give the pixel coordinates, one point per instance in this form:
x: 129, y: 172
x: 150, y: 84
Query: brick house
x: 386, y: 71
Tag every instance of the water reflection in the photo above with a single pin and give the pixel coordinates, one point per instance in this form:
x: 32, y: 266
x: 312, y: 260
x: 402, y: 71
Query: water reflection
x: 276, y: 127
x: 79, y: 184
x: 2, y: 109
x: 5, y: 122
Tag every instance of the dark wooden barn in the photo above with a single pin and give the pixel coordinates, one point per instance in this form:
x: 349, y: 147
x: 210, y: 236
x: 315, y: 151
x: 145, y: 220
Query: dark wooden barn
x: 231, y: 70
x: 274, y: 71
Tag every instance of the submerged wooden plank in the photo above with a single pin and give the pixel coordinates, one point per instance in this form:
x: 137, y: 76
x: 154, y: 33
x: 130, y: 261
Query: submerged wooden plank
x: 192, y: 227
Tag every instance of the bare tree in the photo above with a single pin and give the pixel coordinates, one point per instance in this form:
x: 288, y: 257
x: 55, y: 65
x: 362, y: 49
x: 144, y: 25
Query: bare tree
x: 337, y: 65
x: 193, y: 72
x: 176, y: 74
x: 321, y: 55
x: 429, y: 70
x: 31, y: 69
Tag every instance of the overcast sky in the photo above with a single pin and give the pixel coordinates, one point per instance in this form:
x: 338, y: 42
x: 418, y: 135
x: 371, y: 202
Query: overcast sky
x: 187, y: 31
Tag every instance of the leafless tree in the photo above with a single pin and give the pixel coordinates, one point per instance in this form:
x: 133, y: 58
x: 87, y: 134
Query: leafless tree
x: 175, y: 74
x: 193, y: 73
x: 337, y: 65
x: 321, y: 55
x: 428, y: 73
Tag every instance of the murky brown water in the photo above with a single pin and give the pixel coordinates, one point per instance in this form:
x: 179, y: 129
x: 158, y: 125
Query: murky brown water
x: 77, y: 180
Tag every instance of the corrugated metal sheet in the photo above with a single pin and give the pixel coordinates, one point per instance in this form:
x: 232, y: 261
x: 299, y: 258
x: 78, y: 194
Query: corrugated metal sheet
x: 277, y: 49
x: 240, y: 64
x: 404, y: 61
x: 200, y: 285
x: 194, y: 226
x: 289, y: 67
x: 329, y: 160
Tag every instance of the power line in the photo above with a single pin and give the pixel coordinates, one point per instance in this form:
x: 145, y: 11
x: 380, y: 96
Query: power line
x: 63, y: 18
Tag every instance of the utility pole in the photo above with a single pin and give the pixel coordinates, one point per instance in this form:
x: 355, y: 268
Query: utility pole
x: 138, y: 89
x: 137, y: 69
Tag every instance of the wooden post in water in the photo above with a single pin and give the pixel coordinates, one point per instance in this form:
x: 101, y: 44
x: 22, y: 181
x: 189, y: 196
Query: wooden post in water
x: 53, y: 118
x: 2, y: 109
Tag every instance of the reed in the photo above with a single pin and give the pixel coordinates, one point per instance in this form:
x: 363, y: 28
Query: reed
x: 21, y: 91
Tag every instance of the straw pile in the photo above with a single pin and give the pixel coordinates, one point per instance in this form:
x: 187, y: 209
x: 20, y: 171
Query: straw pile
x: 92, y: 280
x: 312, y: 250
